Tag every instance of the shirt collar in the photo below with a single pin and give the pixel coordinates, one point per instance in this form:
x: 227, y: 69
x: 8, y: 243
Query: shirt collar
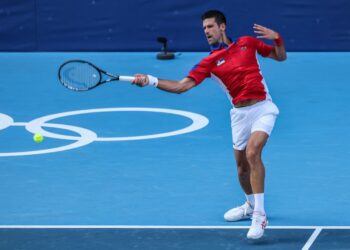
x: 219, y: 46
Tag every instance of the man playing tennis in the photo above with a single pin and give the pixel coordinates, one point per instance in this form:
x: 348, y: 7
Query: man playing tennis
x: 234, y: 65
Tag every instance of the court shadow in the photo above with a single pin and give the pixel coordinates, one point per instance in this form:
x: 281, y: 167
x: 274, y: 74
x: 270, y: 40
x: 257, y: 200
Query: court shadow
x: 280, y: 239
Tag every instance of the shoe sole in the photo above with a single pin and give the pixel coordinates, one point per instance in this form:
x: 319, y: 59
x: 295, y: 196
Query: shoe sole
x: 255, y: 237
x: 259, y: 236
x: 243, y: 218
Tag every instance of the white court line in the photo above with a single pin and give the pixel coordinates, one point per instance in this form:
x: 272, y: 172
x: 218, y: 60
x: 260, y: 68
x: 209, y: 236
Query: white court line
x: 316, y: 228
x: 312, y: 239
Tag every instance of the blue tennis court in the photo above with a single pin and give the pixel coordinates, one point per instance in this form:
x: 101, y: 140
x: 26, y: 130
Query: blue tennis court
x: 124, y: 167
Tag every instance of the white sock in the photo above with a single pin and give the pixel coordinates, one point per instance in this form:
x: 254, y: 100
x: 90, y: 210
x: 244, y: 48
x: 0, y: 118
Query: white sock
x: 251, y: 199
x: 259, y: 203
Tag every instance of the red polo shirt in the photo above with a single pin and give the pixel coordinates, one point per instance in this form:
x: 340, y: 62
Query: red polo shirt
x: 236, y: 68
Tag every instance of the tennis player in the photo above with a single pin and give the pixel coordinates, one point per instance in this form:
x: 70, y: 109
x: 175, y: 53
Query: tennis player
x: 234, y: 65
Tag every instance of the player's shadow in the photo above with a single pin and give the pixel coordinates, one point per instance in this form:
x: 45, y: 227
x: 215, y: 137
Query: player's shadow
x: 280, y: 239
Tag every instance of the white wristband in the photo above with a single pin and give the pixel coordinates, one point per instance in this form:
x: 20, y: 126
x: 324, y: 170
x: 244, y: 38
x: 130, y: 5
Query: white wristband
x: 153, y: 81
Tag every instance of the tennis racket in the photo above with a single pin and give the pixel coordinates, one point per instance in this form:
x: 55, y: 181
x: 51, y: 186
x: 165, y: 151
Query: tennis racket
x: 79, y: 75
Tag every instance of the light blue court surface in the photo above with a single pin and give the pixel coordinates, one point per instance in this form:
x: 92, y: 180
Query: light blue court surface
x: 103, y: 172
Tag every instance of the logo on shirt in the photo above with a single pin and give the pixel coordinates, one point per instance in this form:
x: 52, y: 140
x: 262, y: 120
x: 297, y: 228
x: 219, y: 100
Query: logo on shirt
x: 243, y: 48
x: 221, y: 61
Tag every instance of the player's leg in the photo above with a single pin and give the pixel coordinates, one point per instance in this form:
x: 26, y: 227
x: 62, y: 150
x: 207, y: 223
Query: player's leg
x: 254, y: 149
x: 261, y: 129
x: 240, y: 136
x: 243, y: 172
x: 244, y: 211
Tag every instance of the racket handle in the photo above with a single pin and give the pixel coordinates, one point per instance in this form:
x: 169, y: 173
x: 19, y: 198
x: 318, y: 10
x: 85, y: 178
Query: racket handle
x: 126, y: 78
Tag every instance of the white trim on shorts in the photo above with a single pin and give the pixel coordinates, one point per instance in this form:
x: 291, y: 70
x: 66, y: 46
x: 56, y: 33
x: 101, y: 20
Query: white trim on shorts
x: 246, y: 120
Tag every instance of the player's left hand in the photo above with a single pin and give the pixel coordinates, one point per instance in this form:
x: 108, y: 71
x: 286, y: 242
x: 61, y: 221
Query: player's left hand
x: 265, y: 32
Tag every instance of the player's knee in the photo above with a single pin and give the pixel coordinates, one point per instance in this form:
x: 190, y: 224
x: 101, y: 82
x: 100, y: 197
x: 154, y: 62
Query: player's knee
x: 253, y: 156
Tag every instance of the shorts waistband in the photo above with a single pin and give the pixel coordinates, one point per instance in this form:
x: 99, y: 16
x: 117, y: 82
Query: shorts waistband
x: 251, y: 104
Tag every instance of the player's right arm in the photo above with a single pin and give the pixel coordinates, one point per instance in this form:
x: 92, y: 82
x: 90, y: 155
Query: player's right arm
x: 167, y: 85
x: 197, y: 74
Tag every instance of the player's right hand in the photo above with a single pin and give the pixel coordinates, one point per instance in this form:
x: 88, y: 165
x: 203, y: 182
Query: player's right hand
x: 141, y: 80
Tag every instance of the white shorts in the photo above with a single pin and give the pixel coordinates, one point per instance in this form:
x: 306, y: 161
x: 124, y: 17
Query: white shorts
x: 246, y: 120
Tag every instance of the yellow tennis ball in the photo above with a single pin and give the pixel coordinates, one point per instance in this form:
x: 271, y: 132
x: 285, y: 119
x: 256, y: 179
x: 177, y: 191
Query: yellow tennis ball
x: 38, y: 137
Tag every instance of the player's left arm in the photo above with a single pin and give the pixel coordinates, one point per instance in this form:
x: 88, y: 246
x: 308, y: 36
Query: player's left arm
x: 279, y: 51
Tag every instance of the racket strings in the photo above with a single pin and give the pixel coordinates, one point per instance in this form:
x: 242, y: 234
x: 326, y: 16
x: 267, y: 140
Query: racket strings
x: 79, y: 76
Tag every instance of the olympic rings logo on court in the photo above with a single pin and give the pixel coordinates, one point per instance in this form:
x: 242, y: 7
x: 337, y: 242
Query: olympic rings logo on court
x: 87, y: 136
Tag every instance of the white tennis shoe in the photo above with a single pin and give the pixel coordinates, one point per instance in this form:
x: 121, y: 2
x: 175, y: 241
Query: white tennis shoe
x: 259, y: 223
x: 239, y: 213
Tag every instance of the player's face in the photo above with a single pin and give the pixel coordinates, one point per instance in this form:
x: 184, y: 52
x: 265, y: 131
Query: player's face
x: 213, y: 31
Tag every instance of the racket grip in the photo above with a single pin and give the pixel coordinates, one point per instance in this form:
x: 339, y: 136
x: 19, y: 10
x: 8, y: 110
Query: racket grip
x: 126, y: 78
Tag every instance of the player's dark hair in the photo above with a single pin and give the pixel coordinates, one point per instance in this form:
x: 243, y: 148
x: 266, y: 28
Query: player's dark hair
x: 218, y: 15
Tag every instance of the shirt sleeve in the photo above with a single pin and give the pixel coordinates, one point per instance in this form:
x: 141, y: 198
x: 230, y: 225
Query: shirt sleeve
x: 199, y: 72
x: 263, y: 48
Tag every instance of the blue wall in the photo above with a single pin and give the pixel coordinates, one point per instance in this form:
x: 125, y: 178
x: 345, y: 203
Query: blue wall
x: 133, y: 25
